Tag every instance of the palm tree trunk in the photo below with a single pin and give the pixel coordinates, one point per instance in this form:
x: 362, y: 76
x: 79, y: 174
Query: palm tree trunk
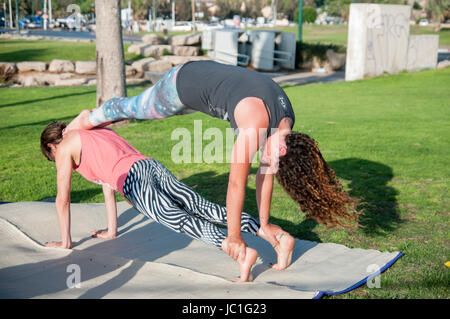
x: 109, y: 51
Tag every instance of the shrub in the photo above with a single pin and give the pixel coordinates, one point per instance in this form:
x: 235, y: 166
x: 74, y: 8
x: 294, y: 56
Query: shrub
x: 306, y: 51
x: 309, y: 15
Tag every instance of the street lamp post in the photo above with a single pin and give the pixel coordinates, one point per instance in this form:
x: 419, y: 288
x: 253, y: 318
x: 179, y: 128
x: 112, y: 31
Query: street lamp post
x: 10, y: 16
x: 300, y: 19
x: 17, y: 17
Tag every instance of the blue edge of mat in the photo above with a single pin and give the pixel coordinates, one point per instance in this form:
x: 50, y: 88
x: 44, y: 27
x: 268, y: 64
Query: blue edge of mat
x: 359, y: 283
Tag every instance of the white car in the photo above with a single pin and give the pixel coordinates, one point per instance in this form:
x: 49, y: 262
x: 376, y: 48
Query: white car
x: 423, y: 22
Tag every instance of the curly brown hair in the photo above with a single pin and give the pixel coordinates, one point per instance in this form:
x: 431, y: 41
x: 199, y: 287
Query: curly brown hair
x: 312, y: 183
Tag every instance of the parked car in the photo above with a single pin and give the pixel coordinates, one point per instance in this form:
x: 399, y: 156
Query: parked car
x: 24, y: 23
x: 182, y: 26
x: 35, y: 25
x: 424, y: 22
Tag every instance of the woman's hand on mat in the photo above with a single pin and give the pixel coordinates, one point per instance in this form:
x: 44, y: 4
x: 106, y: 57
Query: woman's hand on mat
x: 104, y: 234
x: 58, y: 244
x: 236, y: 247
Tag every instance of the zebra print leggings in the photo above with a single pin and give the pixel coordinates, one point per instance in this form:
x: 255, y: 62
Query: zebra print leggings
x: 154, y: 191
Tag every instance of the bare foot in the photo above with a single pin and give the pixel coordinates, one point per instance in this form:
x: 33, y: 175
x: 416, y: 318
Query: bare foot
x: 80, y: 122
x: 245, y: 264
x: 283, y: 249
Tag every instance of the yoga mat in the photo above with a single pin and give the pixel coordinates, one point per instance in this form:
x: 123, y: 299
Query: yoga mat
x: 154, y: 253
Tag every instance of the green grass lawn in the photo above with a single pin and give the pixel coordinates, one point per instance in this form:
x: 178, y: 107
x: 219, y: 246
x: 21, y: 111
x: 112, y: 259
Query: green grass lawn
x: 337, y: 34
x: 387, y: 138
x: 46, y: 50
x: 17, y: 50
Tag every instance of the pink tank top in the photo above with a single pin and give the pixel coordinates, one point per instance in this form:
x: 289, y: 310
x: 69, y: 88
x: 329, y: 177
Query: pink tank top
x: 106, y: 158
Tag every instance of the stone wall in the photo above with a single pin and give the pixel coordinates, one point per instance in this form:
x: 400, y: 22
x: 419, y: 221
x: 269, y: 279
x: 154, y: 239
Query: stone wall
x: 422, y: 52
x: 162, y: 53
x: 377, y: 40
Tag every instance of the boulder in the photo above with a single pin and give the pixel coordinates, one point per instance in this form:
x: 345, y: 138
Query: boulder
x: 137, y: 48
x: 31, y: 66
x: 91, y: 82
x: 186, y: 39
x: 129, y: 70
x: 27, y: 79
x: 49, y: 78
x: 443, y: 64
x: 7, y: 70
x: 158, y: 66
x: 71, y: 82
x: 336, y: 60
x: 140, y: 64
x: 58, y: 66
x: 176, y: 59
x: 135, y: 81
x: 52, y: 78
x: 85, y: 67
x: 185, y: 50
x: 156, y: 50
x: 154, y: 76
x: 153, y: 39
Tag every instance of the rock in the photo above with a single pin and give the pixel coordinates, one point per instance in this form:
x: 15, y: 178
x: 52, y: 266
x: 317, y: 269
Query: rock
x: 65, y: 76
x: 156, y: 50
x: 185, y: 50
x: 154, y: 76
x: 49, y: 78
x: 31, y: 66
x: 129, y: 70
x: 305, y: 65
x: 140, y: 64
x: 153, y: 39
x: 188, y: 39
x: 336, y: 60
x: 85, y: 67
x: 135, y: 81
x: 91, y: 82
x: 6, y: 36
x: 52, y: 78
x: 158, y: 66
x: 7, y: 70
x: 27, y: 80
x: 176, y: 59
x: 71, y: 82
x: 443, y: 64
x: 136, y: 48
x: 61, y: 66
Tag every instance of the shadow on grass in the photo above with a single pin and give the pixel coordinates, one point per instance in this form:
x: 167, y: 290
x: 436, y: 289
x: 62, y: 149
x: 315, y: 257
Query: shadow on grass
x: 23, y: 55
x: 44, y: 123
x: 214, y: 188
x: 53, y: 97
x: 368, y: 181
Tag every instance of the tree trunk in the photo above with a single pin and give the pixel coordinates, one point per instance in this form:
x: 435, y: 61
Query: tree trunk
x: 193, y: 16
x: 109, y: 51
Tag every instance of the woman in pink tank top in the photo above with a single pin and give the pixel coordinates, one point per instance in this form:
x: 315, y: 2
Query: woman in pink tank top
x: 102, y: 156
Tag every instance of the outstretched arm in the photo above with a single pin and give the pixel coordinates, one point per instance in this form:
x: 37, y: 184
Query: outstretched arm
x: 244, y: 149
x: 64, y: 177
x: 111, y: 215
x: 264, y: 190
